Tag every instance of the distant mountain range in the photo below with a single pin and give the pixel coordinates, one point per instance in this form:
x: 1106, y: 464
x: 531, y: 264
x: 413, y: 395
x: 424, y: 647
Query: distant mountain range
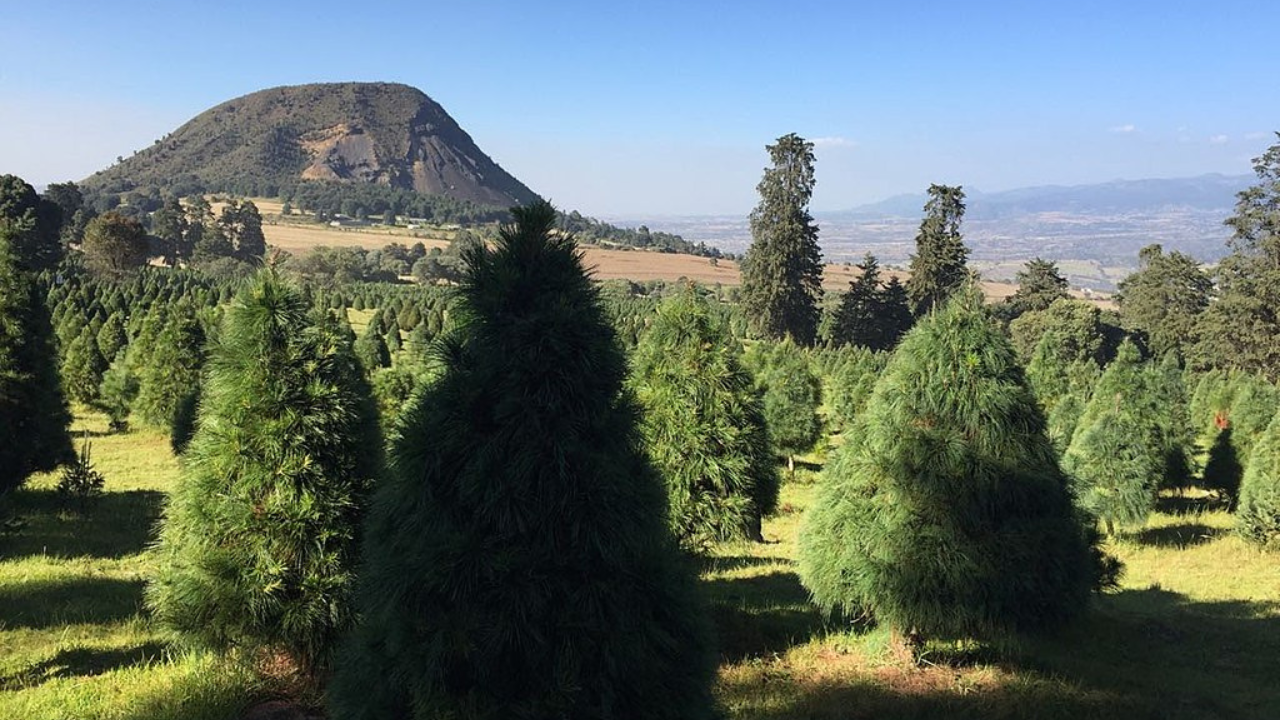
x: 1212, y: 192
x: 1093, y: 231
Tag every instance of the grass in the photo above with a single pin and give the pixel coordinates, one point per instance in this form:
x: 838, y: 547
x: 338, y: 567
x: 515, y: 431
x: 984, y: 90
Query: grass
x: 74, y: 640
x: 1193, y: 632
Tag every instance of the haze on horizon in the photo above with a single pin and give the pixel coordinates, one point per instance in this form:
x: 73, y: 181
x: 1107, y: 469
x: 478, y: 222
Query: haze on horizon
x: 664, y: 108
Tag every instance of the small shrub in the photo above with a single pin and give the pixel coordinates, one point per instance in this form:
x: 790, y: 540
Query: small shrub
x: 80, y: 481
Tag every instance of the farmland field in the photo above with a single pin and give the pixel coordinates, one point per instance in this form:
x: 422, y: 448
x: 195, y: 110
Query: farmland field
x: 1188, y: 635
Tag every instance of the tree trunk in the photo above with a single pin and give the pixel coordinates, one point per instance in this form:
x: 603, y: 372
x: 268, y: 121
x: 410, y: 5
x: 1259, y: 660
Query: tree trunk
x: 791, y: 466
x: 905, y: 647
x: 1111, y: 528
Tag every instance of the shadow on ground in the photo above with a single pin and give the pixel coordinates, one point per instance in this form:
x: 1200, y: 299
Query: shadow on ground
x: 1182, y: 535
x: 81, y: 662
x: 45, y: 604
x: 760, y: 615
x: 112, y: 525
x: 1138, y: 654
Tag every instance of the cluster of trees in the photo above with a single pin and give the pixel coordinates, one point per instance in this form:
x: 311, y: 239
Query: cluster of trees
x: 327, y: 199
x: 598, y: 232
x: 982, y: 448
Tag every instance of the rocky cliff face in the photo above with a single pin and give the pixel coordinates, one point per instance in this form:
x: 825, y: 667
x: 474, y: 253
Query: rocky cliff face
x: 351, y: 132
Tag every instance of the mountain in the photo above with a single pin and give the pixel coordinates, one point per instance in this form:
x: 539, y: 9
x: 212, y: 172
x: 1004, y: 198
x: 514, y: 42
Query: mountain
x: 1212, y: 192
x: 382, y: 133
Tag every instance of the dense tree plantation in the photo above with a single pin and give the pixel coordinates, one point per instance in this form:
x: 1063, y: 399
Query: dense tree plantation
x: 474, y: 482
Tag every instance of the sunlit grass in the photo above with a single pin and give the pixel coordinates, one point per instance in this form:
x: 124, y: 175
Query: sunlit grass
x: 1193, y: 632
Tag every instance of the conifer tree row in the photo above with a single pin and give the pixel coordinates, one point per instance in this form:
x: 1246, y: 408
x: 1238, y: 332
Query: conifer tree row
x: 517, y: 559
x: 33, y: 410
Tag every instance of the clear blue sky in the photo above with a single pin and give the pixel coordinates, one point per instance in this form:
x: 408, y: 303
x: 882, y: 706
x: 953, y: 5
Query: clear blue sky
x: 639, y: 108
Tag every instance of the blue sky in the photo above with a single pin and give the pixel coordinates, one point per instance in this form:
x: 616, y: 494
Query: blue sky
x: 647, y: 108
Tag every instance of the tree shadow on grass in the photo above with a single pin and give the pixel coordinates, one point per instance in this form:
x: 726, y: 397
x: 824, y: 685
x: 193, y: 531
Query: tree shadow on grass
x: 1189, y: 505
x: 81, y: 662
x: 1139, y: 654
x: 112, y: 525
x: 762, y: 614
x: 89, y: 600
x: 1189, y: 659
x: 921, y: 695
x: 1187, y: 534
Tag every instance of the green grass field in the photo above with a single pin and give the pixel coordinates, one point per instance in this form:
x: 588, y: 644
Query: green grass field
x: 1194, y: 632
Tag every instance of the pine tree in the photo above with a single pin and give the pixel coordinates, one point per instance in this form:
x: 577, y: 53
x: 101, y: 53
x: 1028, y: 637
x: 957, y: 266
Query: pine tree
x: 1117, y: 453
x: 945, y: 514
x: 792, y: 395
x: 521, y: 525
x: 1040, y: 284
x: 33, y: 410
x: 172, y: 368
x: 1241, y: 329
x: 257, y: 544
x: 1258, y: 513
x: 782, y: 270
x: 850, y: 384
x: 112, y: 338
x: 938, y: 266
x: 82, y: 367
x: 117, y: 392
x: 857, y: 319
x: 703, y: 425
x: 1165, y: 298
x: 1177, y: 434
x: 372, y: 350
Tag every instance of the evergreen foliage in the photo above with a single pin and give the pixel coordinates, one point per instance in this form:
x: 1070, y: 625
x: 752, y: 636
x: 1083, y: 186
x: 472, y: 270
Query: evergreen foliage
x: 80, y: 480
x: 1164, y: 299
x: 1079, y: 328
x: 792, y: 395
x: 32, y: 224
x: 703, y: 425
x: 782, y: 270
x: 938, y: 266
x: 117, y: 392
x: 1117, y: 453
x: 518, y: 561
x: 33, y: 410
x: 1241, y: 329
x: 1242, y: 410
x: 372, y: 350
x: 1040, y: 285
x: 1258, y: 513
x: 945, y: 514
x: 849, y: 384
x: 1177, y: 432
x: 172, y: 368
x: 257, y: 544
x: 870, y: 314
x: 82, y: 367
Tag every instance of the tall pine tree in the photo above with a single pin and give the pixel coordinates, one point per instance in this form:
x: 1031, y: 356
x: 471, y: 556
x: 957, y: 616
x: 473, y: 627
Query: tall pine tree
x: 782, y: 270
x: 258, y: 542
x: 521, y: 526
x: 938, y: 266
